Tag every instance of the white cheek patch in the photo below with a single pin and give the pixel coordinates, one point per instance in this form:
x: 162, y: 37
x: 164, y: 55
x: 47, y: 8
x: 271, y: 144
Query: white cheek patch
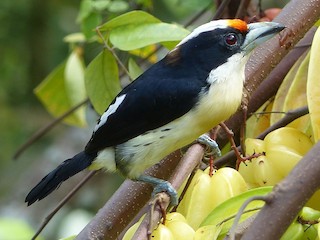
x: 112, y: 109
x: 231, y: 69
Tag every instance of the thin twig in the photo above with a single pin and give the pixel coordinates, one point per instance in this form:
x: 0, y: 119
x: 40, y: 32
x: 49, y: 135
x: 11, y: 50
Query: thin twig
x: 241, y: 8
x: 41, y: 132
x: 113, y: 52
x: 62, y: 202
x: 221, y: 9
x: 288, y: 118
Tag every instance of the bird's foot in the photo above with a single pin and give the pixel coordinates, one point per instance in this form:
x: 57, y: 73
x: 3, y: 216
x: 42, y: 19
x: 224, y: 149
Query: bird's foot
x: 212, y: 148
x: 161, y: 186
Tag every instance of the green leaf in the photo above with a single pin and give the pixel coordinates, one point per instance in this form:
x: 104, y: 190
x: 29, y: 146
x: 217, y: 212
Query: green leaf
x: 118, y: 6
x: 135, y: 36
x: 89, y: 24
x: 85, y: 10
x: 227, y: 210
x: 11, y: 228
x: 53, y: 95
x: 100, y: 5
x: 75, y: 38
x: 74, y: 81
x: 134, y: 70
x: 102, y: 80
x: 133, y: 17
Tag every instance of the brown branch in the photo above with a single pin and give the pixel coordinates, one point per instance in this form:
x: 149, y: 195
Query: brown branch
x: 242, y: 8
x: 288, y: 197
x: 187, y: 164
x: 222, y: 7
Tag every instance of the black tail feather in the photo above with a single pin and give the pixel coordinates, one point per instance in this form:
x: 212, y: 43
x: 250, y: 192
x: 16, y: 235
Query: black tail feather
x: 53, y: 180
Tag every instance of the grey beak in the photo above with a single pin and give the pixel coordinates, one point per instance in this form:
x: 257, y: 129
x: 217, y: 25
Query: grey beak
x: 259, y: 33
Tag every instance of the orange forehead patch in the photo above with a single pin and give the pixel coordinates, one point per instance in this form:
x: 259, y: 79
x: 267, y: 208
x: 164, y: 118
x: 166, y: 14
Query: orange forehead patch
x: 238, y: 24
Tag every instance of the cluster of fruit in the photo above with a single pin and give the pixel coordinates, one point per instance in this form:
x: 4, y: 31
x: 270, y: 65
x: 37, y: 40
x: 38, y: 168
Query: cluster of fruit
x: 210, y: 205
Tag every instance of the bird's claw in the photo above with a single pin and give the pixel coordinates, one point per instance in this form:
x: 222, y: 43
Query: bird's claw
x: 212, y: 148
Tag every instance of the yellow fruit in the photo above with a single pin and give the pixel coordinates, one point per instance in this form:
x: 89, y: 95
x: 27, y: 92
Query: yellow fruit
x: 314, y: 201
x: 296, y: 96
x: 180, y: 230
x: 283, y: 149
x: 175, y: 216
x: 294, y: 232
x: 206, y: 192
x: 313, y: 86
x: 259, y: 122
x: 131, y: 231
x: 162, y: 233
x: 288, y: 137
x: 282, y: 92
x: 196, y: 204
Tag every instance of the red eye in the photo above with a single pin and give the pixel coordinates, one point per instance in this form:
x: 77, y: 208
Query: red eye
x: 231, y: 39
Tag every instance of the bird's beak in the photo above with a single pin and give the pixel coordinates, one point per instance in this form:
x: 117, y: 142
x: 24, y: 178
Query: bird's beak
x: 259, y: 33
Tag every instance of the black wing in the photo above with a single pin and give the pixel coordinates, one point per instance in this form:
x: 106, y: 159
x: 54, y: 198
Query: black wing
x: 160, y: 95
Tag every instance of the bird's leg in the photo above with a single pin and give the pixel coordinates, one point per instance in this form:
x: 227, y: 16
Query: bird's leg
x: 212, y: 148
x: 160, y: 186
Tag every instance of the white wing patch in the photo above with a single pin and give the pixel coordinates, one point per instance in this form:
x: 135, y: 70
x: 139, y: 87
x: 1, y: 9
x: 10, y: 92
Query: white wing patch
x: 111, y: 109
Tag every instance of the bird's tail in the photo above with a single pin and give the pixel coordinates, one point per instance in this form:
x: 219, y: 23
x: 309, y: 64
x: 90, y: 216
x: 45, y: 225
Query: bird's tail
x: 53, y: 180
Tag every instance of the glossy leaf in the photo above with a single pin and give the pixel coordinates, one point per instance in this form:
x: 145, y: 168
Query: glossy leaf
x: 313, y: 86
x: 133, y: 17
x: 138, y: 29
x: 74, y: 77
x: 53, y: 94
x: 89, y: 24
x: 85, y: 10
x: 118, y: 6
x: 227, y: 210
x: 102, y: 80
x: 135, y: 36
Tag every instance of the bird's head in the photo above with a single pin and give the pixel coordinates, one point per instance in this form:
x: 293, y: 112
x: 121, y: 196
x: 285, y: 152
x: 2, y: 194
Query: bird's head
x: 212, y: 44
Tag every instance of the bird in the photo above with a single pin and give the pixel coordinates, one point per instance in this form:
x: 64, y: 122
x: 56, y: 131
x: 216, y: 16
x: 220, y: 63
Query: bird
x: 192, y: 89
